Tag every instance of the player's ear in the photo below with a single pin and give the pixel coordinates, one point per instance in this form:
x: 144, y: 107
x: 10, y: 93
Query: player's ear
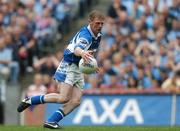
x: 89, y: 20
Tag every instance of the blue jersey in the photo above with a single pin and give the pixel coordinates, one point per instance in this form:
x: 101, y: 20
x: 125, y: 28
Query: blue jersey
x: 84, y: 39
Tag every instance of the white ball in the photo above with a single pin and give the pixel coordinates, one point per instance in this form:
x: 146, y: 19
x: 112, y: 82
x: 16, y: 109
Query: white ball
x: 88, y: 68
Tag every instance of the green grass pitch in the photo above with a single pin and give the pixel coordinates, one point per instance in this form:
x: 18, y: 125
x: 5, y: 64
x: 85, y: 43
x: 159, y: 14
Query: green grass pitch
x: 90, y: 128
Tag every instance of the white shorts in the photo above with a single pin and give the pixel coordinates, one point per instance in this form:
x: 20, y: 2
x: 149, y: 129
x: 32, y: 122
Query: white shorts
x: 70, y: 74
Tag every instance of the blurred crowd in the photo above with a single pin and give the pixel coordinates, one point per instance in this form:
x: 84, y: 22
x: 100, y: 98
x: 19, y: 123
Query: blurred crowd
x: 30, y: 31
x: 140, y: 50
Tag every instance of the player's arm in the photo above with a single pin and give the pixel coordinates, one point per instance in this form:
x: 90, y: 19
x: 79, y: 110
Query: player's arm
x: 79, y: 49
x: 84, y: 54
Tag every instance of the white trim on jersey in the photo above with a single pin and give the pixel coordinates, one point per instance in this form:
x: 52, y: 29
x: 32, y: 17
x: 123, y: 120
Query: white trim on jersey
x: 96, y: 37
x: 73, y: 44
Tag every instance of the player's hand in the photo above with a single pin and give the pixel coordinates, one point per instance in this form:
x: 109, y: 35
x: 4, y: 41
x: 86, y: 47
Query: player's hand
x: 86, y: 55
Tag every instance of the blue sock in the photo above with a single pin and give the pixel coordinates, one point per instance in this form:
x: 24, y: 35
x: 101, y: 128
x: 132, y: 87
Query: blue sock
x: 37, y: 100
x: 57, y: 116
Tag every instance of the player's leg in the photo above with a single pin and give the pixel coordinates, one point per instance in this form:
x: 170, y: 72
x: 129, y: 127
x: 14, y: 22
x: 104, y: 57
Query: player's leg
x: 68, y: 107
x: 62, y: 75
x: 76, y: 94
x: 63, y: 97
x: 73, y: 102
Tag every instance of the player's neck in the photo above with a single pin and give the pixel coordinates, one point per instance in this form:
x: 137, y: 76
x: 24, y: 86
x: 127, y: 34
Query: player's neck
x: 92, y: 32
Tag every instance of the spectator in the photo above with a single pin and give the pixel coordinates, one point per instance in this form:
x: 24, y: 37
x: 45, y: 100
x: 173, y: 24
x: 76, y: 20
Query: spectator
x: 29, y: 27
x: 124, y: 26
x: 47, y: 65
x: 37, y: 87
x: 132, y: 83
x: 107, y: 66
x: 172, y: 83
x: 5, y: 59
x: 174, y: 9
x: 60, y: 11
x: 49, y: 83
x: 114, y: 83
x: 92, y: 83
x: 14, y: 65
x: 44, y: 29
x: 143, y: 81
x: 138, y: 35
x: 141, y: 43
x: 117, y: 62
x: 114, y: 8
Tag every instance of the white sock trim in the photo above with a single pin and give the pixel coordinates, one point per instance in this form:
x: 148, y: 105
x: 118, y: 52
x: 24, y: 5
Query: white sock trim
x: 41, y: 98
x: 60, y: 113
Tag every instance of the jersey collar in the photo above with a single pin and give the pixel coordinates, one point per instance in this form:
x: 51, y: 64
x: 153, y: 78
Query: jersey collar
x: 99, y: 34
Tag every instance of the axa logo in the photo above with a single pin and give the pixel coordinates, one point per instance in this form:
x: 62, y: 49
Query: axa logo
x: 89, y: 109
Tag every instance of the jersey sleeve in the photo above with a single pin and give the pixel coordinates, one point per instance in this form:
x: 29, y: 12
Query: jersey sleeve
x: 83, y: 41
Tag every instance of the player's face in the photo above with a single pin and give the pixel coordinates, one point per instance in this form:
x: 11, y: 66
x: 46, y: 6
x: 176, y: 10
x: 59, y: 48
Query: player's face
x: 96, y: 25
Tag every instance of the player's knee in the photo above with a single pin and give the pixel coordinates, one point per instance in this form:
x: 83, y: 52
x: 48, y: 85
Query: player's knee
x: 63, y: 99
x: 76, y: 103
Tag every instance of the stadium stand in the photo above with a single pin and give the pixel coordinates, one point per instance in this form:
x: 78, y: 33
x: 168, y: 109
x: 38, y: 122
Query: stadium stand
x: 139, y: 53
x: 139, y: 50
x: 31, y: 31
x: 140, y: 46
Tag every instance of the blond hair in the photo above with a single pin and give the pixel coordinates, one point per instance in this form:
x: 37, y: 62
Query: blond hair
x: 96, y: 14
